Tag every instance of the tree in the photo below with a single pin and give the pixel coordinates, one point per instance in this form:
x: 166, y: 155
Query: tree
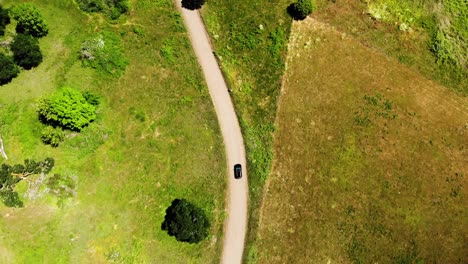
x: 193, y: 4
x: 185, y: 221
x: 30, y: 20
x: 11, y: 175
x: 4, y: 20
x: 67, y: 108
x: 301, y: 9
x: 8, y: 69
x: 26, y: 51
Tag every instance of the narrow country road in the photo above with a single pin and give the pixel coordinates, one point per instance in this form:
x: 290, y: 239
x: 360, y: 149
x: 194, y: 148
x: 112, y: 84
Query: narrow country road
x: 236, y: 223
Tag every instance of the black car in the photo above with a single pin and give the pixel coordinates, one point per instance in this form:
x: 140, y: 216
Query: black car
x: 237, y: 171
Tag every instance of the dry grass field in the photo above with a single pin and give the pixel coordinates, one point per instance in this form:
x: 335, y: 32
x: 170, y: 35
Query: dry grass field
x: 370, y: 160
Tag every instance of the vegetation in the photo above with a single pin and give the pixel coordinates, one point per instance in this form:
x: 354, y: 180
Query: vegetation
x: 12, y: 175
x: 251, y: 48
x: 426, y: 35
x: 29, y: 20
x: 301, y: 9
x: 8, y: 69
x: 52, y: 136
x: 186, y: 221
x: 367, y: 156
x: 193, y: 4
x: 67, y: 108
x: 117, y: 175
x: 103, y: 52
x: 26, y: 51
x: 4, y: 20
x: 113, y: 8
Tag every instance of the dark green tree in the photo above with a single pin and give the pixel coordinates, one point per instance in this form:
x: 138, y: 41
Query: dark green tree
x: 4, y: 20
x: 26, y: 51
x: 67, y: 108
x: 301, y: 9
x: 8, y: 69
x: 30, y: 20
x: 193, y: 4
x: 186, y: 221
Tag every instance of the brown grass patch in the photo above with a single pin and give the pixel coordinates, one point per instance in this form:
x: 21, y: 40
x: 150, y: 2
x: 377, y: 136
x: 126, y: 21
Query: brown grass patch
x: 370, y: 160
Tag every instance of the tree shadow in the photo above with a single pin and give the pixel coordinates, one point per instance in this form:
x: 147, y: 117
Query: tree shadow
x: 192, y: 4
x: 294, y: 13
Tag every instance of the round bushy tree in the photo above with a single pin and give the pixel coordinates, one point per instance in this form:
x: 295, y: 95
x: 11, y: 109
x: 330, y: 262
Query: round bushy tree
x: 193, y: 4
x: 186, y: 221
x: 8, y: 69
x: 52, y: 136
x: 30, y: 20
x: 26, y: 51
x: 67, y: 108
x: 4, y: 20
x: 301, y: 9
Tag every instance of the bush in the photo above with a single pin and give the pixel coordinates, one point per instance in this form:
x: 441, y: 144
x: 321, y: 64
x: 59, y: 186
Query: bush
x: 103, y: 52
x: 186, y: 222
x: 52, y: 136
x: 8, y: 69
x: 4, y: 20
x: 26, y: 51
x: 301, y: 9
x: 67, y: 108
x: 113, y: 8
x: 29, y: 20
x: 193, y: 4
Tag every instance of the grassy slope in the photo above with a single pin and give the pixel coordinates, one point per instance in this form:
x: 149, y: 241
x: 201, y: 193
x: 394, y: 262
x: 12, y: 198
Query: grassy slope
x: 352, y: 183
x: 425, y: 18
x: 250, y: 40
x: 143, y: 151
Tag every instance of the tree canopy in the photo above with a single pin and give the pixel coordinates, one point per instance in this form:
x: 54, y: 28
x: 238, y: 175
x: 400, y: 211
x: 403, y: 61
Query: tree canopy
x: 186, y: 221
x: 30, y: 20
x: 26, y: 51
x: 8, y: 69
x: 67, y: 108
x: 301, y: 9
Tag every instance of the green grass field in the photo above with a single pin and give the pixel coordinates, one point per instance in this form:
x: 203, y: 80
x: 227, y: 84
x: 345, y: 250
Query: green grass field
x: 370, y: 159
x: 156, y: 138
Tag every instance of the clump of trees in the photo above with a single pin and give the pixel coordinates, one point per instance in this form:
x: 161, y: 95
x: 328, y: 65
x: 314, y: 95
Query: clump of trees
x: 67, y: 108
x: 12, y: 175
x: 301, y: 9
x: 30, y: 21
x: 113, y: 8
x: 186, y: 222
x: 8, y: 69
x: 25, y: 47
x: 193, y: 4
x: 26, y: 51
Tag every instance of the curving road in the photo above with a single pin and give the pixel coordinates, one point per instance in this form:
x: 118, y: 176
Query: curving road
x: 236, y: 224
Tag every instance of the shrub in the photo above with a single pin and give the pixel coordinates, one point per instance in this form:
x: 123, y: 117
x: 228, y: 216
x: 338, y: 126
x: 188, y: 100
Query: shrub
x: 301, y: 9
x: 4, y: 20
x: 193, y: 4
x: 8, y: 69
x: 103, y: 52
x: 52, y: 136
x: 91, y: 98
x: 26, y: 51
x: 113, y: 8
x: 29, y: 20
x: 67, y: 108
x: 186, y: 222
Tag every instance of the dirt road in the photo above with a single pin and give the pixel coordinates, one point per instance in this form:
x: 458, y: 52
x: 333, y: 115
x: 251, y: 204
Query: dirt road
x: 236, y: 224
